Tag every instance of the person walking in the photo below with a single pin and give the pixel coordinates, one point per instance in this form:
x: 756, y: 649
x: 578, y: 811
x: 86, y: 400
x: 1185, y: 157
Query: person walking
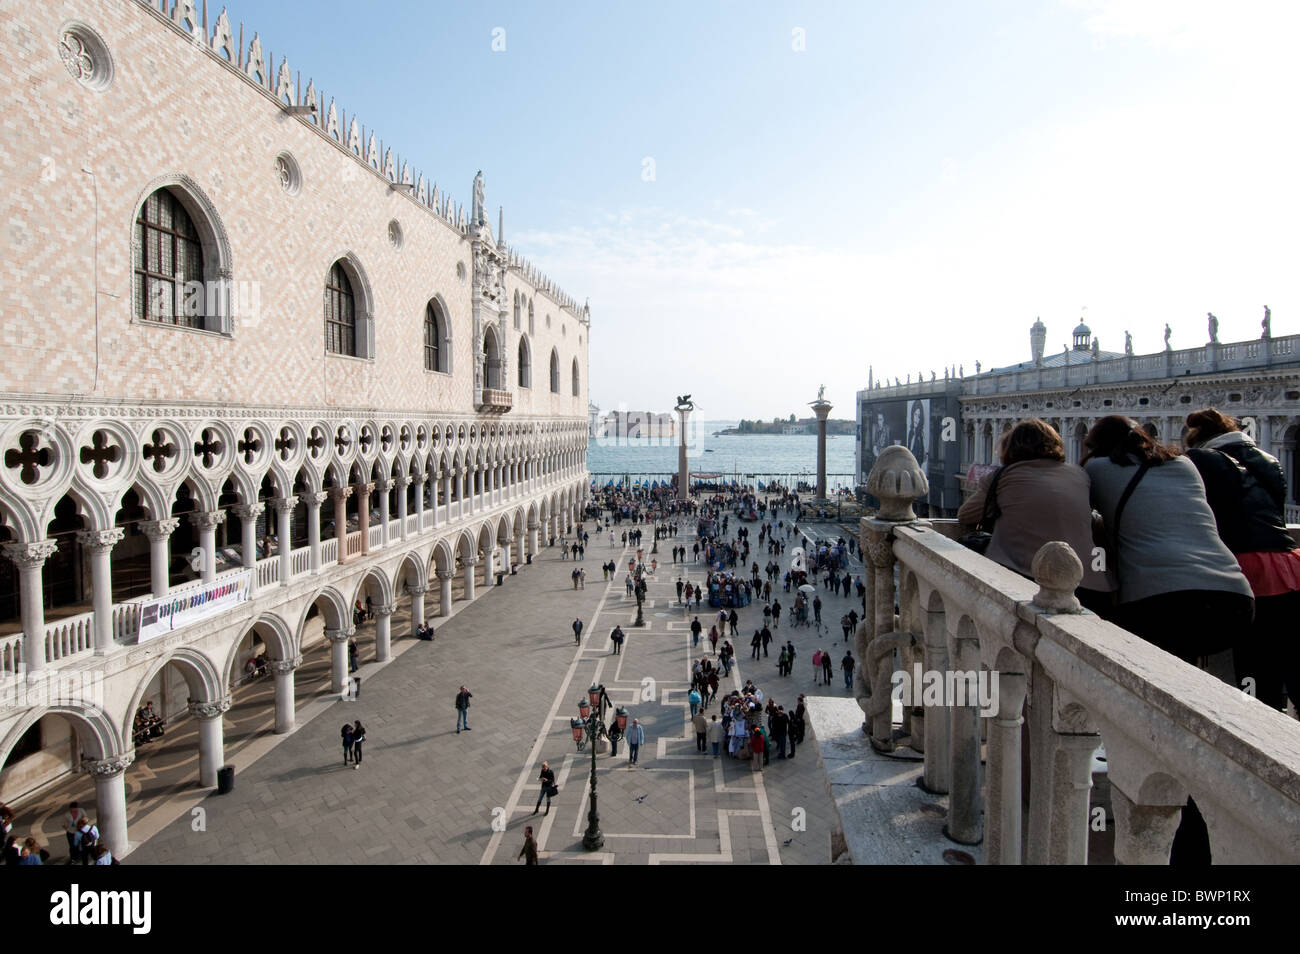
x: 715, y: 735
x: 547, y: 778
x: 733, y: 619
x: 780, y: 730
x: 635, y: 739
x: 577, y: 630
x: 462, y: 708
x: 757, y: 644
x: 529, y: 851
x: 701, y: 730
x: 582, y: 578
x: 694, y: 700
x: 358, y: 736
x: 782, y: 661
x: 681, y: 585
x: 846, y: 667
x: 617, y: 638
x: 766, y: 636
x: 776, y: 614
x: 348, y: 738
x: 828, y: 667
x: 798, y: 725
x: 713, y: 640
x: 71, y: 826
x: 817, y: 610
x: 817, y: 668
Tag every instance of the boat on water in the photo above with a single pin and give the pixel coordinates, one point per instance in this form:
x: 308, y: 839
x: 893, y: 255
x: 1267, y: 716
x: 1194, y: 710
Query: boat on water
x: 708, y: 450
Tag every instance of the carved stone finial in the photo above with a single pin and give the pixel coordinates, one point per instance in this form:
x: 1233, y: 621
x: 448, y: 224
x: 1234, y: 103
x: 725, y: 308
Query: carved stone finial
x: 896, y: 480
x: 1057, y: 571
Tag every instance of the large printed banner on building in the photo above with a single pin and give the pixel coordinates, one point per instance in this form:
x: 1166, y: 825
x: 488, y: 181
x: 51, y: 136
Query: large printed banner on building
x: 178, y: 610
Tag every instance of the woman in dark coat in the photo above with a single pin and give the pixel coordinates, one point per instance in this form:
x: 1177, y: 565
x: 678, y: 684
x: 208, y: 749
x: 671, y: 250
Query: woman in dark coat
x: 1246, y: 489
x: 358, y: 736
x: 348, y: 738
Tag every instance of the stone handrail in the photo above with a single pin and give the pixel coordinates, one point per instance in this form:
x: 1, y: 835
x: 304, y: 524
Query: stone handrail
x: 300, y: 561
x: 11, y: 654
x: 329, y: 551
x: 1170, y: 730
x: 268, y: 571
x: 70, y: 636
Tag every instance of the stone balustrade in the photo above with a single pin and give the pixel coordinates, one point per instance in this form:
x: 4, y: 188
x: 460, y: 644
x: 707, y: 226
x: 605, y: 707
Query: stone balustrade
x: 1073, y: 682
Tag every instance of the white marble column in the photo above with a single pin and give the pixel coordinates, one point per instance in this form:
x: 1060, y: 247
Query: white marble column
x: 284, y: 535
x: 313, y: 500
x: 469, y: 579
x: 338, y: 640
x: 417, y: 605
x: 206, y: 521
x: 159, y: 533
x: 30, y: 559
x: 402, y: 482
x: 532, y: 541
x: 383, y: 485
x: 110, y: 800
x: 936, y: 730
x: 98, y: 544
x: 1005, y: 812
x: 282, y: 670
x: 363, y: 515
x: 212, y: 750
x: 248, y: 514
x: 965, y: 818
x: 384, y: 632
x: 444, y: 591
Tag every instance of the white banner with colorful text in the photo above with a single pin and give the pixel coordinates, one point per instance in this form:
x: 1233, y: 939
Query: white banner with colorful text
x: 194, y: 603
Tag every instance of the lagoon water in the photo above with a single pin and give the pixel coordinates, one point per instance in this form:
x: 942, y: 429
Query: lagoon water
x: 791, y: 456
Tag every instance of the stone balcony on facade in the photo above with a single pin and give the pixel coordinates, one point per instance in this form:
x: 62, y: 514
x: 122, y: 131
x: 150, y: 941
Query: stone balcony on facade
x: 1170, y: 730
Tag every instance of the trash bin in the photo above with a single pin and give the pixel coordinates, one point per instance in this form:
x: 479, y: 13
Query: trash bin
x: 225, y: 780
x: 500, y: 578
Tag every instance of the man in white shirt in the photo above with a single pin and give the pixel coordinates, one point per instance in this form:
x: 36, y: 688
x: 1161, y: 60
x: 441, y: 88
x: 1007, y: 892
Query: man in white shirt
x: 71, y: 824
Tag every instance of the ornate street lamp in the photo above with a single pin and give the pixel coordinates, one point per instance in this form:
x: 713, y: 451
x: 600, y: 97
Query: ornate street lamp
x: 592, y: 728
x: 639, y: 591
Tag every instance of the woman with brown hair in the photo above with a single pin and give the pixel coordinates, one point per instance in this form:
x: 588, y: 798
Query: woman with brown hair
x: 1037, y: 498
x: 1179, y: 586
x: 1246, y: 491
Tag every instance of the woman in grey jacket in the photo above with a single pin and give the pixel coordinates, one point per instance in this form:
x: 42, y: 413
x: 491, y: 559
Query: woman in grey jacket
x: 1180, y: 588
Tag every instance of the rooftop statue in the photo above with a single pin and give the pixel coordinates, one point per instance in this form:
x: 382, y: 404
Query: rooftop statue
x: 1168, y: 332
x: 1128, y: 343
x: 1214, y: 327
x: 480, y: 216
x: 1267, y: 323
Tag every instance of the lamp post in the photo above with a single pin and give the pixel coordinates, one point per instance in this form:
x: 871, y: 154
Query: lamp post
x: 639, y: 591
x: 591, y: 727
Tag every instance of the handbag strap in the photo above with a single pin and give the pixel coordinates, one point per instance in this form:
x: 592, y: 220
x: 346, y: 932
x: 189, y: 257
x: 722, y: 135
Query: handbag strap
x: 991, y: 512
x: 1123, y: 501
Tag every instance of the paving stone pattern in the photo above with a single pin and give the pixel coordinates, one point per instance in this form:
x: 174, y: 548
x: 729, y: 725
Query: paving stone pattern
x: 425, y: 793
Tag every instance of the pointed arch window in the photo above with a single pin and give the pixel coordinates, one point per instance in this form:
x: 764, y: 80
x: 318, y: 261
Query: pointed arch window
x: 577, y: 390
x: 525, y: 365
x: 340, y: 313
x: 433, y: 326
x: 555, y: 372
x: 170, y: 283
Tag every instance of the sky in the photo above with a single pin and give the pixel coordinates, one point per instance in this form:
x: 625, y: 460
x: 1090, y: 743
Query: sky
x: 762, y: 198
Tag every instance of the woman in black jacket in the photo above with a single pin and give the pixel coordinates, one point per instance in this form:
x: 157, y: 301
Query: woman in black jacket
x: 547, y: 779
x: 1246, y: 490
x: 358, y: 736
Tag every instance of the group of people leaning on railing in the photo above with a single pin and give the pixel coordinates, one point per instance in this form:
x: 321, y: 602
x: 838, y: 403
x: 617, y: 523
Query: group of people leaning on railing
x: 1190, y: 551
x: 148, y: 724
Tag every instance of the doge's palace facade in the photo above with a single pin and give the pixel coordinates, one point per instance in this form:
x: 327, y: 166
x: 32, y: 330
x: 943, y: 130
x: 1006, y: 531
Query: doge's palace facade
x: 257, y: 371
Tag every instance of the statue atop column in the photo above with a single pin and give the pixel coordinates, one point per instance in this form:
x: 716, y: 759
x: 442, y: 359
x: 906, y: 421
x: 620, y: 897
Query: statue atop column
x: 480, y: 215
x: 1128, y: 343
x: 1267, y: 323
x: 1168, y: 332
x: 1214, y: 327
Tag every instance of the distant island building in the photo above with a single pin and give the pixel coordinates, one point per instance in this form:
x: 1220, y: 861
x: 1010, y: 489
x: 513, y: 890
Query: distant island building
x: 956, y: 420
x: 792, y: 425
x: 634, y: 425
